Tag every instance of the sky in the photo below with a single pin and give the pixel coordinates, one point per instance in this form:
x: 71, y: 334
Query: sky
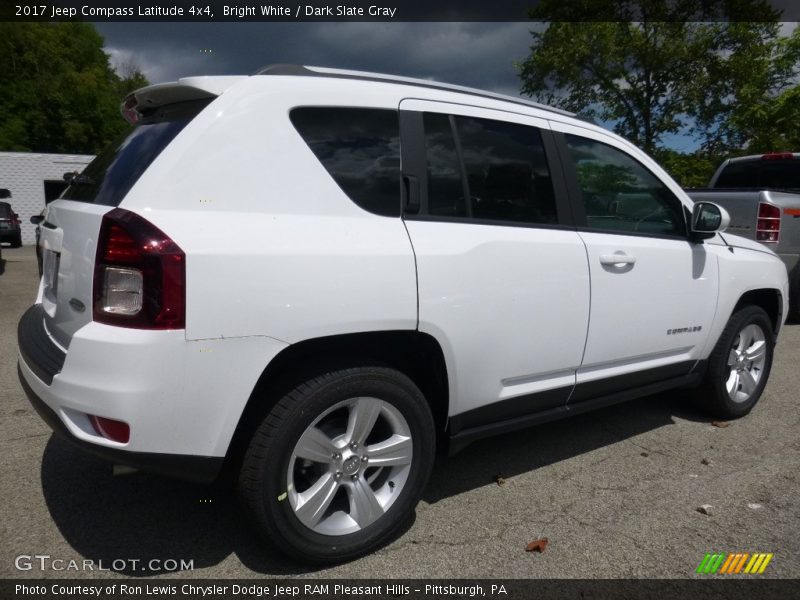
x: 481, y: 55
x: 475, y: 54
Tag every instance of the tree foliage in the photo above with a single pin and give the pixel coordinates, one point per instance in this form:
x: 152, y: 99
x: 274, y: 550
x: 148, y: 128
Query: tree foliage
x: 59, y: 92
x: 690, y: 170
x: 655, y: 68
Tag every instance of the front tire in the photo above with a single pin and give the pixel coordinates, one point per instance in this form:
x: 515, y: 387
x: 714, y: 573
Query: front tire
x: 339, y: 463
x: 739, y: 366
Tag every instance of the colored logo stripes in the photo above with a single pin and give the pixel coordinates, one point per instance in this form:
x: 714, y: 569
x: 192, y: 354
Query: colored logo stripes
x: 736, y: 563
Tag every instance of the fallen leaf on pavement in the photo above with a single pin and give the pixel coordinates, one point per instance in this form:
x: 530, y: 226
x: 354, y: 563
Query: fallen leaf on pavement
x: 705, y: 461
x: 704, y: 509
x: 499, y: 479
x: 537, y: 545
x: 720, y: 424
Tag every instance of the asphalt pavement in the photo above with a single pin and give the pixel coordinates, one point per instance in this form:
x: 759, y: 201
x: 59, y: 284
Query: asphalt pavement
x: 615, y: 492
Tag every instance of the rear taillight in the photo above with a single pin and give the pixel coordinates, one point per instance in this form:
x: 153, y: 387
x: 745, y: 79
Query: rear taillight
x: 139, y: 275
x: 768, y: 225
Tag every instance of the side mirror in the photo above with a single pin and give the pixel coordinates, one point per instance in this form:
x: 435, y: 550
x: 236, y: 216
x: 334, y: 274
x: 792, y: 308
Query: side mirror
x: 707, y: 219
x: 36, y: 219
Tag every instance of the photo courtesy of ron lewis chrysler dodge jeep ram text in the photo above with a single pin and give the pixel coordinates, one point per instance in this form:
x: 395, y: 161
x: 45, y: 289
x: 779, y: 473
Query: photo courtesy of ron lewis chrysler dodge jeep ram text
x: 316, y: 278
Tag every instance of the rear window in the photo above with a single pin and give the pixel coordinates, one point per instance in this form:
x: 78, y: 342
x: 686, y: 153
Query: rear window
x: 761, y: 174
x: 360, y: 149
x: 109, y: 177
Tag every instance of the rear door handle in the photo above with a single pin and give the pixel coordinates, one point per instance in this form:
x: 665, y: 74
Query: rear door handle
x: 617, y: 260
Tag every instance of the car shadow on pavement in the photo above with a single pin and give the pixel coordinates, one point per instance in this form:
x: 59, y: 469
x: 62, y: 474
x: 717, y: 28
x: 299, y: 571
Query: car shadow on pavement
x: 144, y: 517
x: 535, y: 447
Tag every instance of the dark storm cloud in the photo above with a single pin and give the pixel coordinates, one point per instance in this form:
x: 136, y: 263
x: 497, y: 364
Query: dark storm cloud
x: 475, y: 54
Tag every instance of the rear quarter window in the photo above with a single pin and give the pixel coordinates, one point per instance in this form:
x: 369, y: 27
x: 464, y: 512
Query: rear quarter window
x: 360, y: 149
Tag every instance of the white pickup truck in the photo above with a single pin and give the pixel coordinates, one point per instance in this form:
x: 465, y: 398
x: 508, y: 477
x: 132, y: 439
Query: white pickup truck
x: 762, y: 195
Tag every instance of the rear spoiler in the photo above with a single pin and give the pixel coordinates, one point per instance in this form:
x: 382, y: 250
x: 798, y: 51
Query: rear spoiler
x: 183, y: 90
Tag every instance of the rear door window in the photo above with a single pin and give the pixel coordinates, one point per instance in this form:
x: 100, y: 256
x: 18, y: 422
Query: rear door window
x: 111, y: 175
x: 487, y: 170
x: 360, y: 149
x: 507, y: 171
x: 446, y: 194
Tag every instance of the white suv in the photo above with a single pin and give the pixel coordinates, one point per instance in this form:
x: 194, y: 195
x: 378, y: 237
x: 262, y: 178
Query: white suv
x: 317, y: 277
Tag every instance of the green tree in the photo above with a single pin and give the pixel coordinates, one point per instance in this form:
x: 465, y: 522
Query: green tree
x: 655, y: 68
x: 770, y: 123
x: 130, y: 77
x: 59, y: 91
x: 688, y: 169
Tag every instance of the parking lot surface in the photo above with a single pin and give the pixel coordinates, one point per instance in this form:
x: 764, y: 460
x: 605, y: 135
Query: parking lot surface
x: 616, y: 493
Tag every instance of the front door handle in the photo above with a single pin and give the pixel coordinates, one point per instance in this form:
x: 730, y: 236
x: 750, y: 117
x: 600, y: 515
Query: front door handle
x: 617, y: 260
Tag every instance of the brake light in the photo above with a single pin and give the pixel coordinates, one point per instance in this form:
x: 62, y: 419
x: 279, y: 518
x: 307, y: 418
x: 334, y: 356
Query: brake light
x: 128, y: 110
x: 139, y: 275
x: 777, y: 156
x: 768, y: 225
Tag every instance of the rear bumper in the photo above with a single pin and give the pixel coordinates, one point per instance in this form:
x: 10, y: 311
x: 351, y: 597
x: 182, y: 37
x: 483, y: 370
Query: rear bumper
x: 36, y: 348
x: 202, y: 469
x: 182, y: 399
x: 8, y: 235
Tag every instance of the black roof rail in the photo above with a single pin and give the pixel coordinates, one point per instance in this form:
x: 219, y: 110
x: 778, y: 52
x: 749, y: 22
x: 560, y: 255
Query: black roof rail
x: 309, y: 71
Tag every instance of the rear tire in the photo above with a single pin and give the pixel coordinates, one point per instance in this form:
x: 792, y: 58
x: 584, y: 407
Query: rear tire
x: 17, y: 241
x: 739, y: 366
x: 339, y: 463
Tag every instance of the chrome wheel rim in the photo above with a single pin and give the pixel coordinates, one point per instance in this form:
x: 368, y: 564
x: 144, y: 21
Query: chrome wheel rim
x: 349, y: 466
x: 746, y: 362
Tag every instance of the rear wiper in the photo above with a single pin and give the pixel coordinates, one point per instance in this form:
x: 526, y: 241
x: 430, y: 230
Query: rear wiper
x: 77, y: 178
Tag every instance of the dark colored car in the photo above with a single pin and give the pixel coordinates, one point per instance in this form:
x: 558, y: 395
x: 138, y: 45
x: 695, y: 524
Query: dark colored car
x: 37, y: 220
x: 9, y: 222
